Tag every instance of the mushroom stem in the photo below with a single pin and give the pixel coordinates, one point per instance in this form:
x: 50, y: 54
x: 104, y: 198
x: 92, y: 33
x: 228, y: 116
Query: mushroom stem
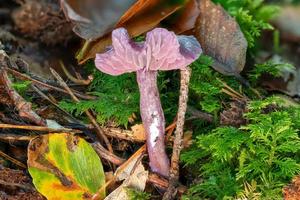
x: 153, y: 121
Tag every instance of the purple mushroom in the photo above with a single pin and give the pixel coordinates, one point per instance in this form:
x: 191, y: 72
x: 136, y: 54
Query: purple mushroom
x: 162, y: 50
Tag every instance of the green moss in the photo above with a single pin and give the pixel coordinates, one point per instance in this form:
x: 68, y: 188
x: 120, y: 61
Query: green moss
x: 266, y: 151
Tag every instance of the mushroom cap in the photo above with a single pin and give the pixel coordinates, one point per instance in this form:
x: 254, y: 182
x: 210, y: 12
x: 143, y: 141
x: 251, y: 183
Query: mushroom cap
x: 162, y: 50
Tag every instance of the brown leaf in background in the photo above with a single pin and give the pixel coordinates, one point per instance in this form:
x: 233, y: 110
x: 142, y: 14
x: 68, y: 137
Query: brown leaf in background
x: 137, y: 8
x: 187, y: 19
x: 145, y: 20
x: 94, y: 18
x: 43, y: 21
x: 288, y: 23
x: 221, y: 38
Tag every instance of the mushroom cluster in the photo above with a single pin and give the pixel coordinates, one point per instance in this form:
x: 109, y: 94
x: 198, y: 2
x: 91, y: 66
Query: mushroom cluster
x: 162, y: 50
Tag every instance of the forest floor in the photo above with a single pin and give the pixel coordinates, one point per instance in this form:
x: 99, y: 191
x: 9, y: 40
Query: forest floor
x: 240, y: 138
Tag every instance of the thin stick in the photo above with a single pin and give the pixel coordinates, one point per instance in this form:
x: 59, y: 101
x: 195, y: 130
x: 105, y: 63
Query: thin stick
x: 24, y: 108
x: 103, y: 153
x: 16, y: 162
x: 178, y: 141
x: 37, y: 82
x: 123, y: 134
x: 10, y: 138
x: 100, y: 132
x: 44, y: 96
x: 39, y: 128
x: 19, y: 185
x: 163, y: 183
x: 72, y: 78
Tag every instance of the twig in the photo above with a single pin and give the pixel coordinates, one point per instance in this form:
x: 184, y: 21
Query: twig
x: 44, y: 96
x: 23, y: 107
x: 16, y: 162
x: 7, y: 120
x: 170, y: 129
x: 103, y: 153
x: 39, y: 128
x: 100, y: 132
x: 37, y: 82
x: 72, y: 78
x: 122, y: 134
x: 11, y: 138
x: 18, y: 185
x: 177, y: 146
x: 231, y: 92
x: 163, y: 183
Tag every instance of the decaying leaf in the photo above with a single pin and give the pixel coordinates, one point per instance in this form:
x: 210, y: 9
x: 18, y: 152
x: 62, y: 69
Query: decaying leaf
x: 148, y: 16
x: 64, y: 166
x: 94, y: 18
x: 288, y: 23
x: 187, y: 19
x: 136, y: 181
x: 221, y: 38
x: 136, y: 9
x: 134, y: 175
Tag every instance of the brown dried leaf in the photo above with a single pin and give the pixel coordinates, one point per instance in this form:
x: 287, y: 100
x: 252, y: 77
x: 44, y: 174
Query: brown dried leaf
x: 288, y: 23
x: 137, y: 180
x: 94, y: 18
x: 187, y: 19
x: 221, y: 38
x: 145, y: 20
x: 136, y: 9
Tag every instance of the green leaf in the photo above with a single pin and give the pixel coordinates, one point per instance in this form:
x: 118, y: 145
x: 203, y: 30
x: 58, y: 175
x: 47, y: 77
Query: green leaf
x: 64, y: 166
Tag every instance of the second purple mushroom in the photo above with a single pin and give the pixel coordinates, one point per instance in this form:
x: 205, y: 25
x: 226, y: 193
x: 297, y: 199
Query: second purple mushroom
x: 162, y: 50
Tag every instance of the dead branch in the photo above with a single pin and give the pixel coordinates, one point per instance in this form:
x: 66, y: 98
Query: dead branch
x: 39, y: 128
x: 161, y: 182
x: 103, y: 153
x: 16, y: 162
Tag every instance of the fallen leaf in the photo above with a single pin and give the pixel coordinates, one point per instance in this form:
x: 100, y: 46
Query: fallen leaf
x: 136, y: 9
x: 187, y: 19
x: 139, y: 132
x: 221, y: 38
x: 94, y: 18
x: 136, y: 25
x: 288, y: 22
x: 137, y: 180
x: 64, y: 166
x: 124, y: 171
